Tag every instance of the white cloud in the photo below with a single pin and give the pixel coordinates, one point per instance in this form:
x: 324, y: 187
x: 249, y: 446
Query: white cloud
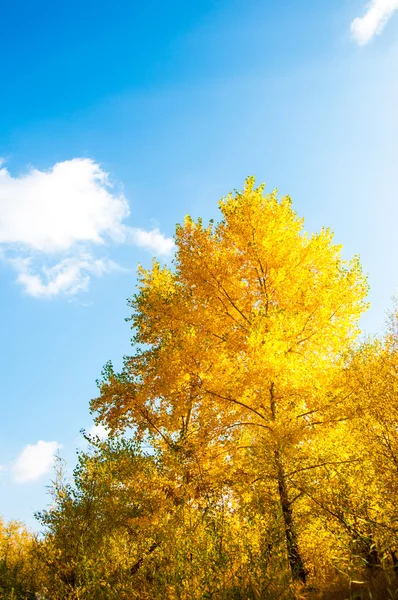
x: 52, y: 210
x: 52, y: 221
x: 34, y: 461
x: 377, y: 14
x: 153, y: 240
x: 98, y: 431
x: 94, y: 431
x: 69, y: 276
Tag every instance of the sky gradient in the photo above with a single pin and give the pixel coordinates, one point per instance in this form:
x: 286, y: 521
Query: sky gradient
x: 116, y: 121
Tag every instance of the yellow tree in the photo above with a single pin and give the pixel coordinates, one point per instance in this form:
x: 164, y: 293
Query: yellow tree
x: 237, y: 346
x: 122, y: 530
x: 372, y: 380
x: 20, y: 571
x: 104, y: 526
x: 353, y: 495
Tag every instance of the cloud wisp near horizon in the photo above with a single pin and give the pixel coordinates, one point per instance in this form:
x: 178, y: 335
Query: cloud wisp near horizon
x: 36, y: 460
x: 53, y: 222
x: 378, y: 13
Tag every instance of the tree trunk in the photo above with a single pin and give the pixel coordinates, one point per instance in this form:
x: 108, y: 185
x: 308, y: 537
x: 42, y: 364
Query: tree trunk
x: 140, y: 561
x: 295, y: 559
x: 394, y: 557
x: 366, y: 549
x: 372, y: 556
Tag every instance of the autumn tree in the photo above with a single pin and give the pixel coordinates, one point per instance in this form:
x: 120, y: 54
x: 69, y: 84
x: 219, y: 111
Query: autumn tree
x: 123, y: 529
x: 236, y: 348
x: 20, y: 572
x: 102, y: 524
x: 372, y: 381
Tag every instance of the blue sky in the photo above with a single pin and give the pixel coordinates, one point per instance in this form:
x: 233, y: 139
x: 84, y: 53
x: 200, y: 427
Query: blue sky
x: 118, y: 119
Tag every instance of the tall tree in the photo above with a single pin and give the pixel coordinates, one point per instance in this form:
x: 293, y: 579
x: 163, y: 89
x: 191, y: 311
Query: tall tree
x: 236, y: 349
x: 373, y: 384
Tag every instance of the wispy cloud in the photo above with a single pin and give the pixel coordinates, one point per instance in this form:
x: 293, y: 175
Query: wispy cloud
x: 375, y: 18
x: 69, y: 276
x: 53, y: 222
x: 154, y: 240
x: 34, y: 461
x: 98, y: 431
